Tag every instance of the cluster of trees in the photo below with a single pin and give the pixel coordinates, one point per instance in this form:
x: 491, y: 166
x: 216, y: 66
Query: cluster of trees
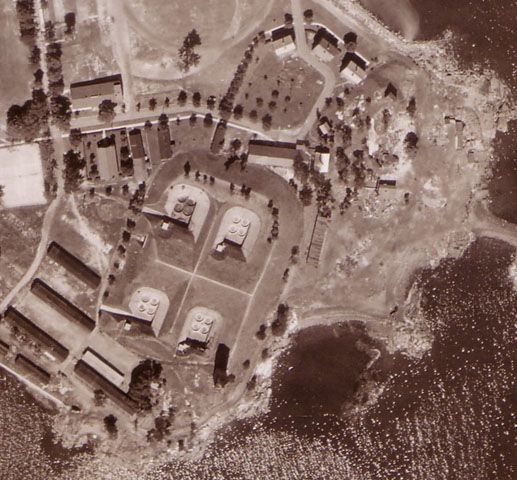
x: 226, y: 103
x: 47, y: 152
x: 74, y: 165
x: 162, y: 425
x: 28, y: 121
x: 188, y: 58
x: 26, y: 14
x: 107, y: 111
x: 55, y: 69
x: 145, y: 373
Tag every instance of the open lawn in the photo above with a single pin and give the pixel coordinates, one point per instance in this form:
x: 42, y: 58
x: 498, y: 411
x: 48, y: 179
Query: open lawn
x: 21, y: 176
x: 234, y: 270
x: 88, y: 54
x: 231, y: 305
x: 15, y: 74
x: 142, y: 269
x: 90, y: 229
x: 59, y: 278
x: 286, y: 89
x: 188, y: 138
x: 21, y: 233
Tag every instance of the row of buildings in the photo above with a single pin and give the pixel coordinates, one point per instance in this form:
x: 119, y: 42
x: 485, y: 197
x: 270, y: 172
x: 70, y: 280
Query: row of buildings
x: 326, y: 46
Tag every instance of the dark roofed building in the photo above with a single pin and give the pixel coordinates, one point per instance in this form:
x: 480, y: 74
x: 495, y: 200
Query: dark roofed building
x: 325, y: 45
x: 353, y: 68
x: 96, y: 381
x: 89, y: 94
x: 136, y: 144
x: 164, y: 139
x: 4, y: 348
x: 31, y: 369
x: 107, y: 159
x: 218, y: 139
x: 275, y: 154
x: 283, y: 39
x: 220, y: 364
x: 153, y: 144
x: 73, y: 265
x: 390, y: 91
x: 15, y: 318
x: 61, y: 304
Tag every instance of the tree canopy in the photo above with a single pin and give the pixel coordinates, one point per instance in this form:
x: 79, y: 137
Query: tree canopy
x: 25, y: 122
x: 187, y: 56
x: 107, y: 111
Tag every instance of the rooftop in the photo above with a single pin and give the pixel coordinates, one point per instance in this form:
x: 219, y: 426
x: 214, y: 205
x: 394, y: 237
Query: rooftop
x: 103, y: 86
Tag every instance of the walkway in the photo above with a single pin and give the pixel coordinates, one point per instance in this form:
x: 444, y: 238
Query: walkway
x: 305, y: 54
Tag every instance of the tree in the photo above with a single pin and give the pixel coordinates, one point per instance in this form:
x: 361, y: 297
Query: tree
x: 288, y: 18
x: 167, y: 102
x: 208, y: 120
x: 238, y: 111
x: 163, y: 120
x: 70, y: 22
x: 187, y: 56
x: 235, y: 145
x: 107, y: 111
x: 301, y: 168
x: 411, y: 141
x: 267, y: 120
x: 306, y: 194
x: 253, y: 115
x: 26, y: 122
x: 143, y: 375
x: 192, y: 119
x: 110, y: 423
x: 186, y: 168
x: 152, y: 103
x: 411, y: 107
x: 308, y: 15
x: 61, y: 111
x: 210, y: 102
x: 35, y: 56
x: 99, y: 397
x: 38, y: 77
x: 196, y: 99
x: 74, y: 164
x: 182, y: 98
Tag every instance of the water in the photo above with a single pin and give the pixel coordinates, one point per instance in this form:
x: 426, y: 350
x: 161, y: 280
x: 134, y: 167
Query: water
x: 484, y: 30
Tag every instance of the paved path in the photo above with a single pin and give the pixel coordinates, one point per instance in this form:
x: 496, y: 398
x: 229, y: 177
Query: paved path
x: 53, y: 208
x: 305, y: 53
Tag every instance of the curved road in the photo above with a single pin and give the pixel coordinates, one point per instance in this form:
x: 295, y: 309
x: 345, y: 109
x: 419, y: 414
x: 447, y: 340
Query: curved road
x: 305, y: 53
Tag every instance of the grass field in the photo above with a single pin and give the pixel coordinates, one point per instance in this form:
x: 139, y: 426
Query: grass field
x: 188, y: 138
x: 88, y: 54
x: 20, y: 232
x: 15, y: 74
x: 230, y: 304
x: 298, y: 86
x: 21, y: 175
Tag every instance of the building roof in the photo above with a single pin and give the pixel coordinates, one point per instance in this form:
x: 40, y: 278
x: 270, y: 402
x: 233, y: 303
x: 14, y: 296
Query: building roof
x: 97, y: 87
x: 164, y: 138
x: 30, y: 368
x: 107, y: 159
x: 136, y: 144
x: 351, y: 57
x: 103, y: 367
x: 73, y: 265
x: 390, y: 90
x: 61, y: 304
x: 14, y: 317
x: 266, y: 148
x: 90, y: 376
x: 283, y: 32
x: 4, y: 348
x: 153, y: 144
x: 218, y: 139
x: 326, y: 40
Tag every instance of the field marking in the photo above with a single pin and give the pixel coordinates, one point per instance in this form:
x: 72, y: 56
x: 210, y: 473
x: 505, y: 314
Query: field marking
x: 208, y: 279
